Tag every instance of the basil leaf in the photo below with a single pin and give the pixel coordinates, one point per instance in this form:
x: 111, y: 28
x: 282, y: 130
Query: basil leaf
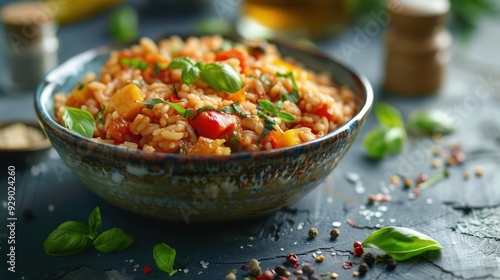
x: 152, y: 102
x: 79, y: 121
x: 113, y: 240
x: 187, y: 113
x: 190, y: 74
x: 136, y: 63
x: 269, y: 124
x: 99, y: 115
x: 67, y: 239
x: 382, y: 141
x: 95, y: 223
x: 267, y: 106
x: 181, y: 63
x: 294, y: 96
x: 388, y: 115
x: 430, y: 122
x: 285, y: 116
x: 221, y: 77
x: 164, y: 256
x: 400, y: 243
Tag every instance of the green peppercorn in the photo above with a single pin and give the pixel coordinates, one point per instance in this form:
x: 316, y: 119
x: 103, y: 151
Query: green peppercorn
x: 313, y: 232
x: 308, y: 269
x: 335, y: 233
x: 369, y: 259
x: 391, y: 264
x: 280, y: 270
x: 363, y: 269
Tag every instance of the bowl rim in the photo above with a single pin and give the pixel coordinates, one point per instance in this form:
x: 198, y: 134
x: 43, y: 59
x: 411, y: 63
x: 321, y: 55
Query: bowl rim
x: 86, y: 56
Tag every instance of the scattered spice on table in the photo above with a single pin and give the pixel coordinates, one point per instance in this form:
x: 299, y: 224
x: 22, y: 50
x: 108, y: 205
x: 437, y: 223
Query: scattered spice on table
x: 466, y: 175
x: 313, y: 232
x: 147, y: 269
x: 19, y: 136
x: 408, y: 183
x: 347, y: 265
x: 334, y: 275
x: 363, y: 269
x: 334, y: 233
x: 320, y: 258
x: 350, y: 222
x: 479, y: 171
x: 369, y: 259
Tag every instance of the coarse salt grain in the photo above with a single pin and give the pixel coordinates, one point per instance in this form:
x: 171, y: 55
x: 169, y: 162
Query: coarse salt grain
x: 352, y: 177
x: 336, y: 224
x: 329, y: 200
x: 300, y: 226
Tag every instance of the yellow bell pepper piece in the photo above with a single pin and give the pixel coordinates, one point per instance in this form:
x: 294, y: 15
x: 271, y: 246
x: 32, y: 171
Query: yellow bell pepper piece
x: 288, y: 138
x: 238, y: 96
x: 125, y: 102
x: 290, y: 68
x: 79, y: 97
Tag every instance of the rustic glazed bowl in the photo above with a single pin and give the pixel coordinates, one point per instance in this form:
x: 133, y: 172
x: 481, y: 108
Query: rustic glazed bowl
x: 200, y: 187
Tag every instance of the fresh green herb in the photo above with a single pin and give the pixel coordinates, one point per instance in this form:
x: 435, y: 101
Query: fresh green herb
x: 274, y: 110
x: 221, y: 77
x: 187, y: 113
x: 79, y: 121
x: 73, y: 237
x: 235, y: 108
x: 434, y: 179
x: 80, y: 85
x: 67, y: 239
x: 389, y: 136
x: 113, y: 240
x: 294, y: 96
x: 124, y: 24
x: 233, y: 143
x: 388, y: 115
x: 207, y: 108
x: 157, y: 67
x: 152, y: 102
x: 100, y: 119
x: 269, y: 124
x: 136, y: 63
x: 252, y: 76
x: 400, y: 243
x: 95, y: 223
x: 164, y: 256
x: 430, y: 123
x: 266, y: 81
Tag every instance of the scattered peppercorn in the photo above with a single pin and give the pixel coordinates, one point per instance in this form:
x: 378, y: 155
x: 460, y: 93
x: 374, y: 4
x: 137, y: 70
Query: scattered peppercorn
x: 280, y: 270
x: 292, y: 259
x: 363, y: 269
x: 255, y: 270
x: 253, y: 262
x: 308, y: 269
x: 466, y: 175
x: 313, y: 232
x: 355, y: 274
x: 302, y: 277
x: 436, y: 163
x: 334, y: 275
x: 391, y: 264
x: 320, y: 258
x: 395, y: 180
x: 479, y: 171
x: 451, y: 161
x: 358, y: 251
x: 408, y: 183
x: 230, y: 276
x: 267, y: 275
x: 369, y: 259
x: 422, y: 177
x: 334, y: 233
x: 313, y: 277
x: 357, y: 244
x: 371, y: 199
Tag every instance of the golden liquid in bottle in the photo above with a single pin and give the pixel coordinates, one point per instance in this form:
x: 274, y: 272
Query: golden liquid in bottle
x: 293, y: 18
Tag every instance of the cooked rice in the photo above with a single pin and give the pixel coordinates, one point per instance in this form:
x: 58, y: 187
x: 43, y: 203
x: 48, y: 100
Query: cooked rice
x: 322, y: 107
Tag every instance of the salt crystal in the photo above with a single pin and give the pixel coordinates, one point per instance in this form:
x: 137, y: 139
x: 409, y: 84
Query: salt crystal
x: 136, y: 266
x: 251, y: 238
x: 336, y: 224
x: 131, y: 260
x: 300, y: 226
x: 186, y: 270
x: 362, y: 207
x: 411, y: 195
x: 314, y: 255
x: 368, y: 218
x: 381, y: 220
x: 295, y: 243
x: 334, y: 254
x: 378, y: 214
x: 359, y: 189
x: 392, y: 221
x: 329, y: 200
x: 352, y: 177
x: 282, y: 249
x: 382, y: 208
x: 241, y: 247
x: 429, y: 201
x: 204, y: 264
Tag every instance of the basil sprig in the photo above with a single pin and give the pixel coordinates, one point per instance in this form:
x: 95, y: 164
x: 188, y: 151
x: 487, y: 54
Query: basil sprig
x: 164, y: 256
x: 294, y: 96
x: 400, y: 243
x: 275, y: 110
x: 73, y: 237
x: 389, y: 136
x: 221, y: 77
x: 79, y: 121
x: 430, y: 122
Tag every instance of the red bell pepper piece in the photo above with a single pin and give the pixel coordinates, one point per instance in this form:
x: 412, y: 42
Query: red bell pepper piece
x: 119, y: 130
x: 214, y: 124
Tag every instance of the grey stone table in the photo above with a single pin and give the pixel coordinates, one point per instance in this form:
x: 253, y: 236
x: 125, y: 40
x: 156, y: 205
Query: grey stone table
x: 463, y: 215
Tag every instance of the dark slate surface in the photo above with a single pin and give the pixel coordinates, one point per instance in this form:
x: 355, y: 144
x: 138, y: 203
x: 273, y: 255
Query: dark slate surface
x: 463, y: 215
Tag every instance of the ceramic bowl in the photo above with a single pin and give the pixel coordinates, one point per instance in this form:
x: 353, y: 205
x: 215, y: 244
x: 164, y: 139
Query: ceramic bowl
x: 200, y: 187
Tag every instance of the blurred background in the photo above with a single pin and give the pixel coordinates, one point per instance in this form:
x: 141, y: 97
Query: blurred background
x: 354, y: 31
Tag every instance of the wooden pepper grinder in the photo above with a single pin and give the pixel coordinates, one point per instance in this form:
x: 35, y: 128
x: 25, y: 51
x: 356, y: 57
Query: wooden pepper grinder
x: 417, y: 46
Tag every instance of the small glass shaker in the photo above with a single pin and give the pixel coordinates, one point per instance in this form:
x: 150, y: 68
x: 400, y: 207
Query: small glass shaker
x: 30, y: 42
